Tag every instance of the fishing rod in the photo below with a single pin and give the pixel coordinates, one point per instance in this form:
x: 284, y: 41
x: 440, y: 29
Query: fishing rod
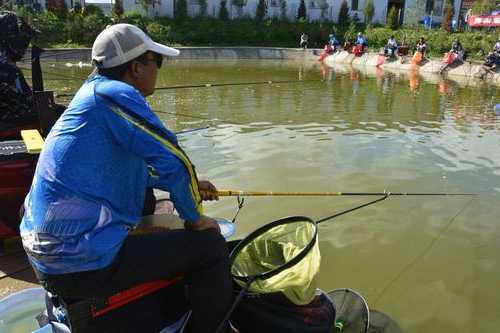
x: 200, y: 117
x: 212, y: 85
x: 192, y: 130
x: 231, y: 193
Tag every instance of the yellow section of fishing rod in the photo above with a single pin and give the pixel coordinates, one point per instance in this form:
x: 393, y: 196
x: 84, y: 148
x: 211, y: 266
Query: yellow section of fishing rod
x: 231, y: 193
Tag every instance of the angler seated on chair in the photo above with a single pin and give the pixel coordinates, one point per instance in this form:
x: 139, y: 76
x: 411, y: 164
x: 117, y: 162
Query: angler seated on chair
x: 17, y: 107
x: 421, y: 46
x: 391, y: 47
x: 334, y: 43
x: 348, y: 45
x: 16, y: 104
x: 361, y: 45
x: 492, y: 61
x: 403, y: 49
x: 87, y: 195
x: 457, y: 48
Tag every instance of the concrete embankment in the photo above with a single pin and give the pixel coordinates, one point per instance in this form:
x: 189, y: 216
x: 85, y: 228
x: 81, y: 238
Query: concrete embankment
x: 274, y: 53
x: 466, y: 70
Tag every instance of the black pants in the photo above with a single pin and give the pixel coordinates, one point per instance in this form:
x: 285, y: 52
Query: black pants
x: 202, y: 256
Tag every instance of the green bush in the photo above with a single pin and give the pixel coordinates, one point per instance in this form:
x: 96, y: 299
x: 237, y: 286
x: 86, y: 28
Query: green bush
x: 135, y: 18
x: 159, y: 32
x: 50, y: 27
x: 73, y: 29
x: 94, y: 24
x: 92, y: 10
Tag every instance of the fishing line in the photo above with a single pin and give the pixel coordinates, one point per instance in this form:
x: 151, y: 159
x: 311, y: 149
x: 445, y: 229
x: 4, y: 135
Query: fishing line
x: 72, y: 77
x: 423, y: 253
x: 51, y: 55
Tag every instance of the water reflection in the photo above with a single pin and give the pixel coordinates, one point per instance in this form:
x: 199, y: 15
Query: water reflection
x: 430, y: 263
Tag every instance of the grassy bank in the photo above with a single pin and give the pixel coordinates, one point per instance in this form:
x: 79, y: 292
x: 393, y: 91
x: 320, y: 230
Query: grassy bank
x: 80, y: 29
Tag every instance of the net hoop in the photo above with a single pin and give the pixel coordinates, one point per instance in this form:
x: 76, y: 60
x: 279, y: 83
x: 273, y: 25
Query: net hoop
x: 248, y: 239
x: 333, y: 292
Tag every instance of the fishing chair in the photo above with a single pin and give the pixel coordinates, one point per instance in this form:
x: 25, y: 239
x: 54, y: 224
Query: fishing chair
x: 159, y: 306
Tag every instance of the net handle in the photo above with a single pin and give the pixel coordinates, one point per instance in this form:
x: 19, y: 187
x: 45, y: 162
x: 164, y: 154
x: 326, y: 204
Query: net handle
x: 260, y: 231
x: 235, y: 303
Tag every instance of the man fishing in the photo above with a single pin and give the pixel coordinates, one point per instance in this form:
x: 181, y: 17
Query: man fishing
x: 16, y: 105
x: 334, y: 43
x: 455, y: 54
x: 303, y: 40
x: 391, y: 47
x: 361, y: 45
x: 88, y: 191
x: 457, y: 48
x: 421, y: 46
x: 420, y: 50
x: 492, y: 60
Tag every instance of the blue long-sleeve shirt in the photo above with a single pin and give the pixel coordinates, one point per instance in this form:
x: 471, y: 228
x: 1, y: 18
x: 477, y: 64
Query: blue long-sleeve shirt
x: 90, y: 181
x: 360, y: 40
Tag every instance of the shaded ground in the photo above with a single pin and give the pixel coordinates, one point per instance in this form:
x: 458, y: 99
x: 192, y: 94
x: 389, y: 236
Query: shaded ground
x: 15, y: 272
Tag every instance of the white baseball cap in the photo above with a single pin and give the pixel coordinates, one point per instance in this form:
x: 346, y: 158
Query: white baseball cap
x: 120, y: 43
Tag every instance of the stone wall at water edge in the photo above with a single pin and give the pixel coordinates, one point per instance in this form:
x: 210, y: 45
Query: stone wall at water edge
x: 459, y: 71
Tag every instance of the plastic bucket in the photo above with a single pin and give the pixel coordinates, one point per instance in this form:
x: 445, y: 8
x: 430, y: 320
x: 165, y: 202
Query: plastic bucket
x: 18, y: 311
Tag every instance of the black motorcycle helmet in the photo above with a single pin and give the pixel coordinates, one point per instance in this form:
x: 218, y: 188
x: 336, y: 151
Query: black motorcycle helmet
x: 15, y: 35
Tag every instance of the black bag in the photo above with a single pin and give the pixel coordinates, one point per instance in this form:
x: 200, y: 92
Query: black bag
x: 274, y: 313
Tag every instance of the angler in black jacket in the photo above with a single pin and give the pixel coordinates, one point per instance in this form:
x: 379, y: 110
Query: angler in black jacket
x: 16, y: 105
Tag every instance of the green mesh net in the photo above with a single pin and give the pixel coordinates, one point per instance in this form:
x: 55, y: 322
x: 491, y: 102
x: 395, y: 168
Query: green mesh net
x: 274, y: 249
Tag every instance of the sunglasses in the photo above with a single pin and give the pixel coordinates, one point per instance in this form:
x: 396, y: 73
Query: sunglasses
x: 158, y: 59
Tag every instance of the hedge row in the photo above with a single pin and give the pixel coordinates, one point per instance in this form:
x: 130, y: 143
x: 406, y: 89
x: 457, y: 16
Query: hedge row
x: 82, y: 28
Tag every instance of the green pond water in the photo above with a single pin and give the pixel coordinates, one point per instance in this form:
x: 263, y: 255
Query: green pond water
x: 431, y: 263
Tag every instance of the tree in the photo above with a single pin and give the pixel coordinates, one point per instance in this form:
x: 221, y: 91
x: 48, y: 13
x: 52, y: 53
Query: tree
x: 203, y: 7
x: 350, y: 33
x: 145, y: 4
x: 283, y: 8
x: 369, y: 11
x: 392, y: 19
x: 344, y: 19
x: 302, y: 12
x: 239, y: 4
x: 180, y: 11
x: 118, y: 8
x: 448, y: 16
x: 261, y: 11
x: 57, y: 7
x: 483, y: 7
x: 223, y: 13
x: 323, y: 6
x: 415, y: 12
